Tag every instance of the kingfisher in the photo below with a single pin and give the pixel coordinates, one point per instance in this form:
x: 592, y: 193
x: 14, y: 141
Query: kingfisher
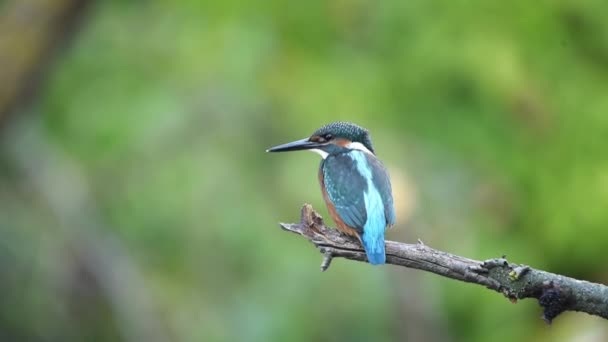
x: 355, y: 184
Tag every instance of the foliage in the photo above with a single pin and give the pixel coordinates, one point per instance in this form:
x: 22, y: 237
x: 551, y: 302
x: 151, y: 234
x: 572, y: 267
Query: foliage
x: 490, y: 116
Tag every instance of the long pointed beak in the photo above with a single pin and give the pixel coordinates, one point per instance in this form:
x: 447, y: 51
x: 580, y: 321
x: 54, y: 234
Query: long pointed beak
x: 303, y: 144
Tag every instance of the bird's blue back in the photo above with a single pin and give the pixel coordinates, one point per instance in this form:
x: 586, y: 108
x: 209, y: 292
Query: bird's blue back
x: 359, y: 188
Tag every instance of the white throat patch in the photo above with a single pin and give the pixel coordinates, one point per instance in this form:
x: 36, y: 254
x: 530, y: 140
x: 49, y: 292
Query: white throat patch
x: 322, y: 153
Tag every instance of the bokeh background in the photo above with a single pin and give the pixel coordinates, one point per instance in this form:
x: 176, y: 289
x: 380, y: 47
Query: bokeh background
x: 137, y: 203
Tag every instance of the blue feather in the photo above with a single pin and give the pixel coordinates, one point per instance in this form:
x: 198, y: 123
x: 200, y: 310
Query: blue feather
x: 373, y: 230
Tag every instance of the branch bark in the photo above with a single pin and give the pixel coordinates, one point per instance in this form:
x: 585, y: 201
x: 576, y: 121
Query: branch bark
x: 555, y: 293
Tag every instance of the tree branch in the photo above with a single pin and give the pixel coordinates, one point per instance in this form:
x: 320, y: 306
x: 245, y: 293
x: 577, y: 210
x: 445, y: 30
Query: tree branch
x: 30, y: 32
x: 555, y: 293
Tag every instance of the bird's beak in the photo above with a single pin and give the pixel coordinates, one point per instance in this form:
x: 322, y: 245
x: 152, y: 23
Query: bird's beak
x: 298, y: 145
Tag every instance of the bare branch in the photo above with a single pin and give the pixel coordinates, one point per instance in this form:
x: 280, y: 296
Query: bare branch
x: 555, y: 293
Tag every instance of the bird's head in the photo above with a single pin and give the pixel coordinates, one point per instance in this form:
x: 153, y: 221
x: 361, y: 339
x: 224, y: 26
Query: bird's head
x: 334, y: 138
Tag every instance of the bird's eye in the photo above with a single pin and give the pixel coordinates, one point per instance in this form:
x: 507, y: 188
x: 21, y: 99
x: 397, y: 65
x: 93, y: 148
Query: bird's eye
x: 328, y: 137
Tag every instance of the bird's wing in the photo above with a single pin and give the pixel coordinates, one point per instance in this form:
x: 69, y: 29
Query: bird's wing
x: 382, y: 182
x: 345, y: 187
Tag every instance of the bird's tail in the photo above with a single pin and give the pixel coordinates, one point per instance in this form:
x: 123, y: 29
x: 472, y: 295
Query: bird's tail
x: 373, y: 242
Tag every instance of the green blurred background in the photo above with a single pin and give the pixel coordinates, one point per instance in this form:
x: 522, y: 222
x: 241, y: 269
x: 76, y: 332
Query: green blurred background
x: 137, y: 203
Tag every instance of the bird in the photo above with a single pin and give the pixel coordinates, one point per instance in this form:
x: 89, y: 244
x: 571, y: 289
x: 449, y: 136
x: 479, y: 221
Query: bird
x: 356, y: 186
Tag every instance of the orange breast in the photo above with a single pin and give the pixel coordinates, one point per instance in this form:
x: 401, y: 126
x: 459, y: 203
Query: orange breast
x: 343, y: 227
